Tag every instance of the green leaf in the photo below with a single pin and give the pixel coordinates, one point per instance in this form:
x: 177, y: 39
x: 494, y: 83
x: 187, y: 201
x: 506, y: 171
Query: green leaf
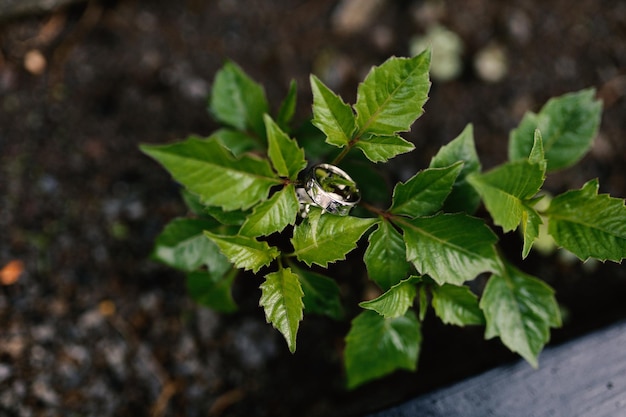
x: 212, y: 290
x: 281, y: 299
x: 507, y: 190
x: 385, y: 257
x: 520, y: 309
x: 376, y: 346
x: 331, y: 115
x: 588, y: 224
x: 245, y: 252
x: 235, y: 141
x: 182, y: 245
x: 451, y: 248
x: 321, y: 239
x: 237, y: 100
x: 423, y: 300
x: 463, y: 197
x: 391, y: 97
x: 321, y: 294
x: 568, y: 124
x: 273, y: 215
x: 229, y: 218
x: 288, y: 107
x: 456, y: 305
x: 531, y: 222
x: 396, y: 301
x: 193, y: 203
x: 285, y: 154
x: 209, y: 170
x: 383, y: 148
x: 425, y: 192
x: 509, y: 193
x: 312, y: 140
x: 537, y: 153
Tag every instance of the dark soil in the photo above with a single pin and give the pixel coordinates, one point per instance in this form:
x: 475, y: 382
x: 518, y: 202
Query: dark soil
x: 94, y: 328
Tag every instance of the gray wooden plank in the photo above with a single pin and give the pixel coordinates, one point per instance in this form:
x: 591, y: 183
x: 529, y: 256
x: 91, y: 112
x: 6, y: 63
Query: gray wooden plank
x: 583, y: 378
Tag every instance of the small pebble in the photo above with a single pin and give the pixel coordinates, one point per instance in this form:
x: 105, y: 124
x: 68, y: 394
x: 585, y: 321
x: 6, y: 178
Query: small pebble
x: 43, y: 391
x: 352, y: 16
x: 446, y: 48
x: 35, y: 62
x: 5, y: 372
x: 491, y: 63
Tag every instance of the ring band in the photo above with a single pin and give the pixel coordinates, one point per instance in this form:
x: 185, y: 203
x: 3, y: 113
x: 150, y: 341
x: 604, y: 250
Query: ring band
x: 329, y: 188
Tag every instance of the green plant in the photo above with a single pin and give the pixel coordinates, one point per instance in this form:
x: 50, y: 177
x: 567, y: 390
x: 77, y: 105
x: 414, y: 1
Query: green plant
x: 424, y: 248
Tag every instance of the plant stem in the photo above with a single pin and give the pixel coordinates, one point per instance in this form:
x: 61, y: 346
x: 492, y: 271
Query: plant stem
x: 343, y: 153
x: 345, y: 150
x: 377, y: 211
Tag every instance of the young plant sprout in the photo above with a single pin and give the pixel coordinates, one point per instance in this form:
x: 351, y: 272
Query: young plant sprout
x: 423, y: 250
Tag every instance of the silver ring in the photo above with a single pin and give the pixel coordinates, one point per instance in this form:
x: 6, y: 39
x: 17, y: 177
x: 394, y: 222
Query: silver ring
x: 329, y: 188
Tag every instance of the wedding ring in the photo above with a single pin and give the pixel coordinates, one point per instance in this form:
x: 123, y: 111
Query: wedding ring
x: 329, y: 188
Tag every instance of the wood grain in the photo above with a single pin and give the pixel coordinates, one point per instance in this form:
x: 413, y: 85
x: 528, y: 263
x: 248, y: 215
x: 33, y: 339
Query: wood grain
x: 583, y: 378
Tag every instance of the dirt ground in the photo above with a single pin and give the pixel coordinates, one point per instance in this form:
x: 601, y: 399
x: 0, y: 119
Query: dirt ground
x: 92, y: 327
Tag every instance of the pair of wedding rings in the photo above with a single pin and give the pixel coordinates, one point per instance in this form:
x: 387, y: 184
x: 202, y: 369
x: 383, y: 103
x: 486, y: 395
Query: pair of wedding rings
x: 329, y: 188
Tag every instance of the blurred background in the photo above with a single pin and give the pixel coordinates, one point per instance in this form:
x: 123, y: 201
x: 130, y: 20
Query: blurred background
x: 89, y: 326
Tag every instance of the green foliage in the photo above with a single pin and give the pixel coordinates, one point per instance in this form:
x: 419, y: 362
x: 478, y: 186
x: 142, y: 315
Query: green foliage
x: 388, y: 102
x: 281, y: 298
x: 212, y: 290
x: 376, y: 346
x: 520, y: 309
x: 396, y: 301
x: 286, y: 156
x: 235, y: 141
x: 321, y: 294
x: 588, y: 224
x: 509, y: 192
x: 243, y: 186
x: 568, y: 125
x: 450, y: 248
x: 206, y: 168
x: 457, y: 305
x: 383, y: 148
x: 245, y: 252
x: 392, y: 95
x: 321, y: 239
x: 288, y: 107
x: 272, y: 215
x: 331, y: 114
x: 463, y: 197
x: 182, y: 245
x: 425, y: 193
x: 385, y: 256
x: 238, y: 101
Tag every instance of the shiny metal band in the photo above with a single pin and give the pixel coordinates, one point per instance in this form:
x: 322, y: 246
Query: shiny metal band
x: 329, y: 188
